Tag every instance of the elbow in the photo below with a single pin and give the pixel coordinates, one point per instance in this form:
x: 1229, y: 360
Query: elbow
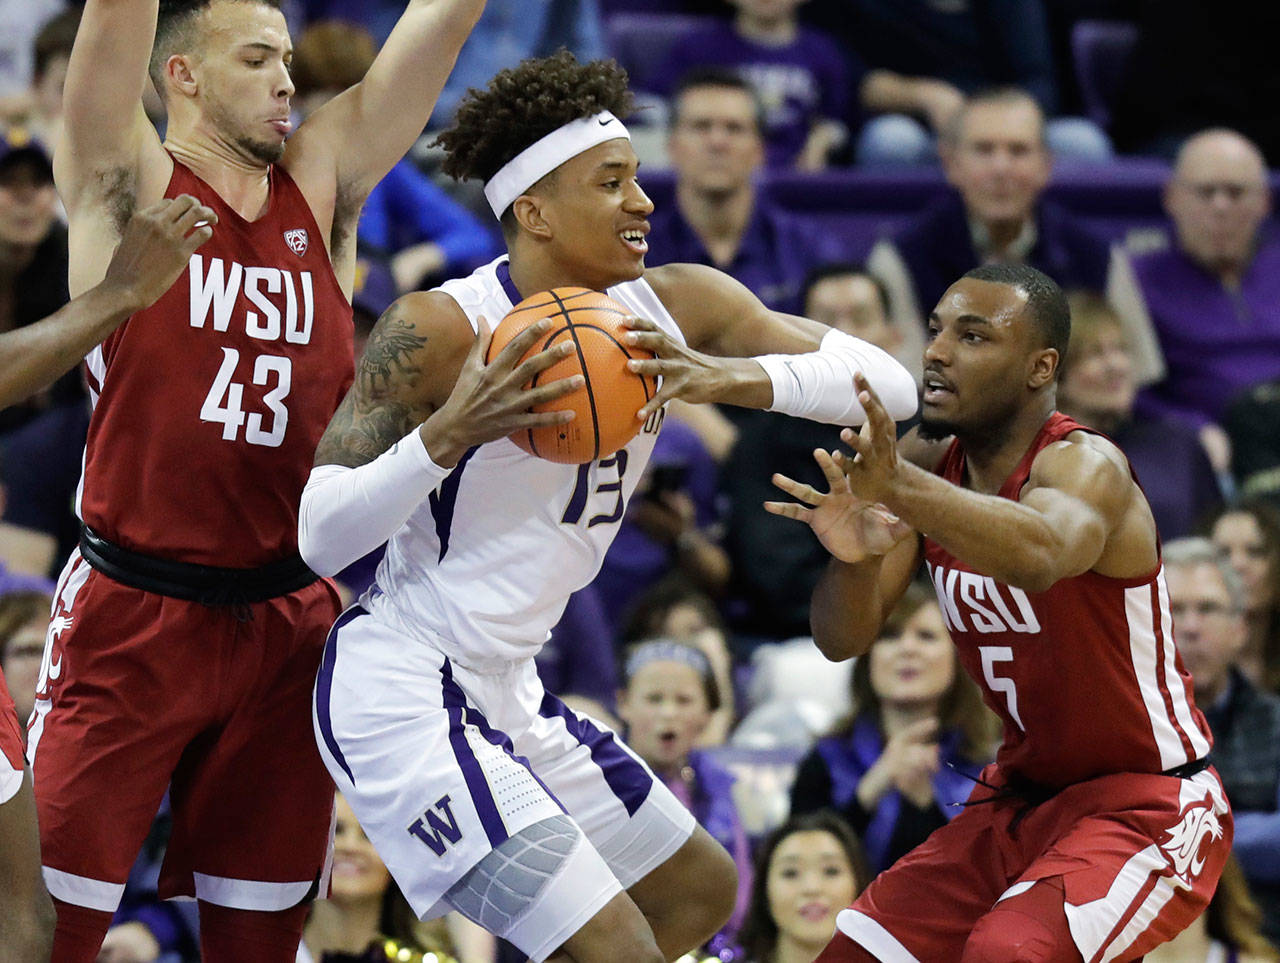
x: 838, y: 646
x: 311, y: 546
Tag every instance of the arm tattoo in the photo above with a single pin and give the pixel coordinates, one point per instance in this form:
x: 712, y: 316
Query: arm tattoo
x: 375, y: 415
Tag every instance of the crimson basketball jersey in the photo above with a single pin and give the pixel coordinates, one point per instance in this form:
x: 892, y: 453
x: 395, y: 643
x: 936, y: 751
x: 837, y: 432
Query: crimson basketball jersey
x: 208, y: 405
x: 1085, y: 676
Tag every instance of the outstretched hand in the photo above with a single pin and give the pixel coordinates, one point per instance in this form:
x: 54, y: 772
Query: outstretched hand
x: 850, y: 528
x: 870, y: 473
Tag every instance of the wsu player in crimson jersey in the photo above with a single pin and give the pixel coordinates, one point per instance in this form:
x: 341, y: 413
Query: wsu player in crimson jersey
x: 1100, y: 830
x: 187, y: 629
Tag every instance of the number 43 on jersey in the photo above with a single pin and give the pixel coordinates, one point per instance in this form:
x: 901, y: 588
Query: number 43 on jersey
x: 224, y: 404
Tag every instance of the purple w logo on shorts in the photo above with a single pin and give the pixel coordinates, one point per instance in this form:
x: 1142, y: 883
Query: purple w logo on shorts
x: 441, y: 834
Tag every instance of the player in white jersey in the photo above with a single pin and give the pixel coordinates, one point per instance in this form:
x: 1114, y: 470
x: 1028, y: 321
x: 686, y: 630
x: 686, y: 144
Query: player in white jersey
x: 481, y: 791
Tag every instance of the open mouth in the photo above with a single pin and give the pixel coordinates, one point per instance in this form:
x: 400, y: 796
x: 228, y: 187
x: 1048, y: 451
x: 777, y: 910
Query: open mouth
x: 936, y: 388
x: 813, y: 912
x: 634, y: 239
x: 282, y: 126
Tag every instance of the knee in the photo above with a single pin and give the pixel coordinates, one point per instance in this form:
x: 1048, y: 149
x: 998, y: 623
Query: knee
x: 1014, y: 937
x: 719, y: 875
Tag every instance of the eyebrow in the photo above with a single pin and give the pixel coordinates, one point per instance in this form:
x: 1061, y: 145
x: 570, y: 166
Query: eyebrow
x: 261, y: 45
x: 963, y: 319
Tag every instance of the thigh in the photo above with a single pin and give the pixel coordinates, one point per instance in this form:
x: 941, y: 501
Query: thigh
x: 252, y: 800
x: 434, y: 784
x: 115, y: 706
x: 1139, y: 858
x: 924, y: 906
x: 630, y: 816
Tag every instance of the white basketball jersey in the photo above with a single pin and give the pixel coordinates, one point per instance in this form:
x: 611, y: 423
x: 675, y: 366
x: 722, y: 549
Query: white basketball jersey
x: 483, y: 568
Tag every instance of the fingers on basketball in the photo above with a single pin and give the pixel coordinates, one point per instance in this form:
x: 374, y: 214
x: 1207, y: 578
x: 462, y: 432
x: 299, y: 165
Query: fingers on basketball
x: 606, y: 402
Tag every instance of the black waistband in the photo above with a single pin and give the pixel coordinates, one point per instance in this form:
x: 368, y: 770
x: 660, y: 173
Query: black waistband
x: 206, y: 584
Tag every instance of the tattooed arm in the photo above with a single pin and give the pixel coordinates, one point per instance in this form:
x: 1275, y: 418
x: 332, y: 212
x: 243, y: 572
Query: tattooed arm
x: 422, y: 397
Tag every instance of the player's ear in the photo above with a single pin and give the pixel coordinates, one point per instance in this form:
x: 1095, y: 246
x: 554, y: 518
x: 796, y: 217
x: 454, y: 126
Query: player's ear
x: 179, y: 75
x: 528, y: 212
x: 1044, y: 368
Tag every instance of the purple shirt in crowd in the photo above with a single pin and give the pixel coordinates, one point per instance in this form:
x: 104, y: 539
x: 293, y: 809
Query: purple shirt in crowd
x: 777, y: 252
x: 800, y: 83
x: 1217, y: 343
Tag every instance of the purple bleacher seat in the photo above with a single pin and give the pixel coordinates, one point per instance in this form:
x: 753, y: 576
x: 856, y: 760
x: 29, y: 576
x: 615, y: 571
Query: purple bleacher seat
x: 641, y: 42
x: 1101, y: 51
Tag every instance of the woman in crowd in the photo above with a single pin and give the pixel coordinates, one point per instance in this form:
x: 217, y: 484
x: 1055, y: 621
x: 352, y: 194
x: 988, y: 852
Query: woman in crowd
x: 918, y: 737
x: 367, y: 920
x: 808, y: 870
x: 1248, y: 533
x: 669, y: 695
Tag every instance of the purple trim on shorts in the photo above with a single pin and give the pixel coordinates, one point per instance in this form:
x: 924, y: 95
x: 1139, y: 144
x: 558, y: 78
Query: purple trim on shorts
x: 455, y: 703
x: 324, y: 684
x: 629, y: 779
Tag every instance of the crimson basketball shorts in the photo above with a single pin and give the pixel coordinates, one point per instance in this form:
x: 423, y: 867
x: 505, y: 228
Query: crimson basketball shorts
x: 1138, y: 857
x: 12, y: 763
x: 140, y: 693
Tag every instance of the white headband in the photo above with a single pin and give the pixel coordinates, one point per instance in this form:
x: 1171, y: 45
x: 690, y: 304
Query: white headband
x: 543, y: 156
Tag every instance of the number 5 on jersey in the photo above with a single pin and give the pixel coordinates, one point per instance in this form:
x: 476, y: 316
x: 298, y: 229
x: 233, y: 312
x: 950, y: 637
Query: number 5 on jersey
x: 224, y: 404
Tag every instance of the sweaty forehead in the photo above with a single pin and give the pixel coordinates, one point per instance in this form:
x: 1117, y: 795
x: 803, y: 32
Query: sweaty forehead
x: 1001, y: 305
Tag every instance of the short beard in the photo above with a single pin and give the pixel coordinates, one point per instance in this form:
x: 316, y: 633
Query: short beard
x: 268, y: 153
x: 935, y: 430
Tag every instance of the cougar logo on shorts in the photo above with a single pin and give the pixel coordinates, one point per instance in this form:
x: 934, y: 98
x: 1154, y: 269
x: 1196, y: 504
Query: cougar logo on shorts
x: 297, y: 240
x: 439, y: 828
x: 1187, y: 838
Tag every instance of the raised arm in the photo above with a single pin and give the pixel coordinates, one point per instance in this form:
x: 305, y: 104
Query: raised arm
x: 365, y: 130
x: 423, y: 396
x: 741, y: 353
x: 156, y: 246
x: 1080, y: 509
x: 106, y: 130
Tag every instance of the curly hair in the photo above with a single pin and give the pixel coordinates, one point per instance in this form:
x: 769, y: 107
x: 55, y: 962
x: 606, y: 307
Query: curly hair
x: 523, y: 104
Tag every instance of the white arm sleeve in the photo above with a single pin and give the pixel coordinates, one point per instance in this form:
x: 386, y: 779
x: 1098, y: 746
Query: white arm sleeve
x: 819, y: 385
x: 348, y: 512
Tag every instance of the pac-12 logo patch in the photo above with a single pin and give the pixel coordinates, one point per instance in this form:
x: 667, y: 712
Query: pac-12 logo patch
x: 1186, y: 841
x: 297, y: 240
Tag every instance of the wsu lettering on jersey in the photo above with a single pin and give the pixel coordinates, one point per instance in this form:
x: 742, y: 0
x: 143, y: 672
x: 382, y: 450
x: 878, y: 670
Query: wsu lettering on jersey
x: 285, y: 299
x: 978, y: 603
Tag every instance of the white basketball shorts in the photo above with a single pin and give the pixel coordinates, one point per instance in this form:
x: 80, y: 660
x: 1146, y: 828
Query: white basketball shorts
x: 442, y: 764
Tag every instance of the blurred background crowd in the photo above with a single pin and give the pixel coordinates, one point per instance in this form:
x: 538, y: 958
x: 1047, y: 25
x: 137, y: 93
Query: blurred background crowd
x: 846, y: 160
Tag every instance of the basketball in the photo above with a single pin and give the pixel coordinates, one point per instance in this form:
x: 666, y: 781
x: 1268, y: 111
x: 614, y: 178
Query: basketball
x: 605, y: 406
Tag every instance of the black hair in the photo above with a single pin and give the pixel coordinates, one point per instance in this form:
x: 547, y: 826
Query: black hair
x: 523, y: 104
x: 759, y: 936
x: 176, y: 32
x: 702, y: 77
x: 56, y: 38
x: 1046, y: 304
x: 840, y: 269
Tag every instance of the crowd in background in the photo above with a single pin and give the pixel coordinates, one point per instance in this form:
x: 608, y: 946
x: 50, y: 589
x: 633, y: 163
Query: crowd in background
x: 757, y: 118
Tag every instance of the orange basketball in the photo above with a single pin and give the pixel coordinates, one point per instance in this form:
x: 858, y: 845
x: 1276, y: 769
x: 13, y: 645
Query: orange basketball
x: 605, y: 406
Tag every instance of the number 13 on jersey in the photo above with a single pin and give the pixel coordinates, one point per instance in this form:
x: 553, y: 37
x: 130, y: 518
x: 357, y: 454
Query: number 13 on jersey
x: 224, y: 404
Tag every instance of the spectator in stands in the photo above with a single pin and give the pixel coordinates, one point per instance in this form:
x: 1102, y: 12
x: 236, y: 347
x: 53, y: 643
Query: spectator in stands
x: 669, y: 694
x: 366, y: 919
x: 40, y: 110
x: 1206, y: 599
x: 807, y: 871
x: 1228, y: 931
x: 33, y: 253
x: 720, y: 216
x: 801, y: 76
x: 22, y: 22
x: 1250, y: 424
x: 924, y: 57
x: 1097, y: 388
x: 1213, y: 297
x: 997, y: 160
x: 510, y: 31
x: 776, y: 564
x: 916, y: 742
x: 24, y: 621
x: 1248, y: 535
x: 675, y: 609
x: 426, y: 235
